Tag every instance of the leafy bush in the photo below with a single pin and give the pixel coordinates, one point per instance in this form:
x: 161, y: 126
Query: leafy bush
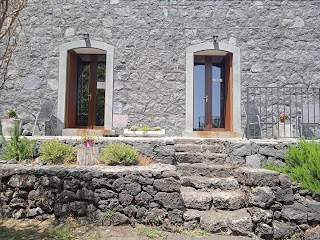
x: 55, y: 151
x: 18, y: 148
x: 118, y: 154
x: 157, y: 128
x: 303, y: 165
x: 145, y: 128
x: 134, y: 128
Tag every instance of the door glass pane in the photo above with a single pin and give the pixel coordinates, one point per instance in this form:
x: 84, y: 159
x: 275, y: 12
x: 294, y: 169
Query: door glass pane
x: 83, y: 90
x: 199, y: 93
x: 100, y: 100
x: 217, y: 102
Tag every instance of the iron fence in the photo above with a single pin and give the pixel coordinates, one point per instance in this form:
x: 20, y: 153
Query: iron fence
x: 282, y: 112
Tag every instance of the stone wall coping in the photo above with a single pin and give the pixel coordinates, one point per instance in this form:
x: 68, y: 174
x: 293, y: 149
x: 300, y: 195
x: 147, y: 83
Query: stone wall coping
x: 165, y: 139
x: 9, y: 169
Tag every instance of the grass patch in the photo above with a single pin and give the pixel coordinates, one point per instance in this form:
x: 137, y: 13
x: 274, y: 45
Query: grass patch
x: 10, y: 234
x: 63, y: 233
x: 302, y: 165
x: 92, y: 236
x: 151, y: 232
x: 197, y: 233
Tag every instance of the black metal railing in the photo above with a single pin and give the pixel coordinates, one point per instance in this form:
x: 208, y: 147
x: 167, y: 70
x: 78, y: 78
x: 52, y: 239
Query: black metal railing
x: 201, y: 122
x: 282, y: 112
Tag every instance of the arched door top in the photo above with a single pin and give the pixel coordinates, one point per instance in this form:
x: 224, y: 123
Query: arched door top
x: 86, y: 44
x: 213, y: 46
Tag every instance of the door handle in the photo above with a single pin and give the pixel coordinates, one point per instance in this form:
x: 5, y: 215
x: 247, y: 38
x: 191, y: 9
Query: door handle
x: 206, y: 98
x: 89, y: 97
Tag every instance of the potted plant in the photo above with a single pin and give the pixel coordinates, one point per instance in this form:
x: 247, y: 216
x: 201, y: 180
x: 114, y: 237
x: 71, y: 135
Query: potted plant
x: 283, y: 116
x: 9, y: 122
x: 11, y: 113
x: 144, y: 131
x: 88, y: 141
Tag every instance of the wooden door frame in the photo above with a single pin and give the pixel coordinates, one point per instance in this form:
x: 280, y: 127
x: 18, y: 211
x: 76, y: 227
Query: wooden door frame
x: 226, y: 115
x: 62, y: 87
x: 72, y: 91
x: 71, y: 96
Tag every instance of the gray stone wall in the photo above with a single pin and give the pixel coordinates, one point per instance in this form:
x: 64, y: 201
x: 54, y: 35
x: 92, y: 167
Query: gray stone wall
x: 278, y: 41
x: 109, y: 195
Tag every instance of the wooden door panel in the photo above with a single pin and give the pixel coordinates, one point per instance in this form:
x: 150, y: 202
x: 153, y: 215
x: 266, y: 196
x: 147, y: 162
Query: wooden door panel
x: 71, y: 96
x: 228, y: 92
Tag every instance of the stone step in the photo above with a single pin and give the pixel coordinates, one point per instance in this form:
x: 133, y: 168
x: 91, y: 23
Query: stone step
x: 200, y: 148
x: 236, y: 222
x: 218, y: 158
x: 205, y: 183
x: 203, y: 200
x: 198, y: 141
x: 203, y: 169
x: 260, y: 177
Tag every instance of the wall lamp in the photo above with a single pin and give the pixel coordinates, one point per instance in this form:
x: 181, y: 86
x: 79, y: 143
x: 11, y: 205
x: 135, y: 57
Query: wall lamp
x: 86, y: 36
x: 215, y: 38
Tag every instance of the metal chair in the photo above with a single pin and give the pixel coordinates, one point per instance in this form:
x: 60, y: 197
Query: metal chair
x: 252, y: 121
x: 309, y: 119
x: 44, y: 115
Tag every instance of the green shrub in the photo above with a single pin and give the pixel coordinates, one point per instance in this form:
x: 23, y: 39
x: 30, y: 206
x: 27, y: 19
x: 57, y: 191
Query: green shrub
x: 134, y: 128
x: 118, y: 154
x: 303, y: 165
x: 145, y: 128
x: 157, y: 128
x: 18, y: 148
x: 55, y: 151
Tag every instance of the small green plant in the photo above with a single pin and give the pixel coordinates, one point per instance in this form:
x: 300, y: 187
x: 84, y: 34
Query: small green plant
x: 151, y: 232
x: 87, y: 138
x: 108, y: 213
x: 157, y: 128
x: 302, y: 165
x: 55, y: 151
x: 18, y: 147
x: 145, y: 128
x: 134, y: 128
x: 197, y: 233
x: 63, y: 233
x: 118, y: 154
x: 284, y: 116
x: 11, y: 113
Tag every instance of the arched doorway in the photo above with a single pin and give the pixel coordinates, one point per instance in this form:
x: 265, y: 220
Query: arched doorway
x: 85, y: 95
x: 213, y: 90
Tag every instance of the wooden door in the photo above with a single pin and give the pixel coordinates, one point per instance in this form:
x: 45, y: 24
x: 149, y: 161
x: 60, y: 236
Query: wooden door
x: 213, y: 93
x: 86, y: 91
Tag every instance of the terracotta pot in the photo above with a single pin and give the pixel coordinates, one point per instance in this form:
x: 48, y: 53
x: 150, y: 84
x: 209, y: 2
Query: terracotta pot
x: 282, y: 120
x: 88, y: 144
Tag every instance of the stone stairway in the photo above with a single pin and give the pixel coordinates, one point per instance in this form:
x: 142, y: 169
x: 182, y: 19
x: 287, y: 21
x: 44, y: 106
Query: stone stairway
x: 221, y: 197
x: 212, y: 196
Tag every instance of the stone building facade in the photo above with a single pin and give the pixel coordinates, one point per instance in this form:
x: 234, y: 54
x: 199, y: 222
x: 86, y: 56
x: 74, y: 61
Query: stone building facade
x: 150, y: 50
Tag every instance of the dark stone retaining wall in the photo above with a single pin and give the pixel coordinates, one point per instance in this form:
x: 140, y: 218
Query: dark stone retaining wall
x: 112, y: 195
x: 252, y: 153
x: 275, y: 208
